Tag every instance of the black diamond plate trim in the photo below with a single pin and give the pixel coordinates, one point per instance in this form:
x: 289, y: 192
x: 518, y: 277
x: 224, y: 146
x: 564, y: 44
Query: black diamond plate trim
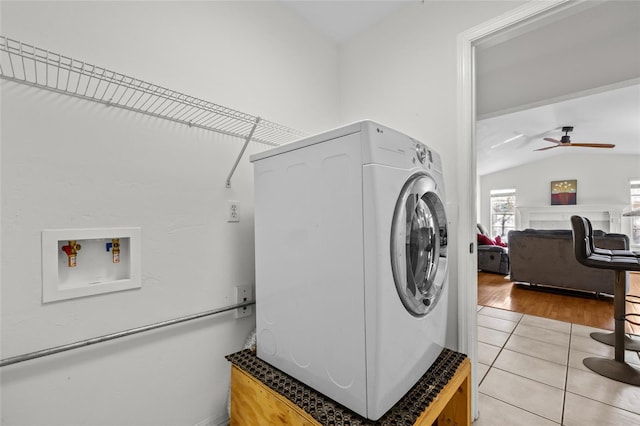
x: 329, y: 413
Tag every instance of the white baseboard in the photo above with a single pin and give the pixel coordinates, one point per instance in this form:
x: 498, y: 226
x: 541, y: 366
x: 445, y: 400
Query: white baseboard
x: 214, y: 421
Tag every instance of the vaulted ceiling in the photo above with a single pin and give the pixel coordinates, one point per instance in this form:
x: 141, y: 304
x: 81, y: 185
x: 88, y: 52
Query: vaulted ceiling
x: 577, y: 68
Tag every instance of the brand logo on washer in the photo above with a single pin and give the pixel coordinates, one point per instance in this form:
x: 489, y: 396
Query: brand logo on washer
x: 421, y: 153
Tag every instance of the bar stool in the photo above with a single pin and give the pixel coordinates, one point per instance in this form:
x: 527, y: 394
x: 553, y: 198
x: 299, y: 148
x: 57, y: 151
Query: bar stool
x: 609, y: 338
x: 616, y: 369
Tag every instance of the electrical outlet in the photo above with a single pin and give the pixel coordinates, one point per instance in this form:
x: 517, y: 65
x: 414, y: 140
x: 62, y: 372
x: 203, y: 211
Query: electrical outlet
x: 233, y: 211
x: 243, y: 294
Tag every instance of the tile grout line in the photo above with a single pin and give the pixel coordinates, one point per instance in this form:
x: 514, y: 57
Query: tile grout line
x: 566, y: 376
x: 565, y: 389
x: 537, y: 340
x: 492, y: 366
x: 496, y: 358
x: 500, y: 351
x: 588, y: 397
x: 608, y: 404
x: 520, y: 408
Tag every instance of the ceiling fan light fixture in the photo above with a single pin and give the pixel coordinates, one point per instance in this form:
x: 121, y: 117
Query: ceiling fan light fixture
x: 566, y: 138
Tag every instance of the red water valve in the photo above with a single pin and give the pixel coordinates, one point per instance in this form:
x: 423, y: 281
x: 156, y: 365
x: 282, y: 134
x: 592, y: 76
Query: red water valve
x: 71, y: 250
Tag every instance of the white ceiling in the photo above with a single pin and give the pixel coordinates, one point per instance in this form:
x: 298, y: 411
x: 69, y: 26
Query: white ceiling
x: 580, y: 68
x: 611, y: 116
x: 342, y: 19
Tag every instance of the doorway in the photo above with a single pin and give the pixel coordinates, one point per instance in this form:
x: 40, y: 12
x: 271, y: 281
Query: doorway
x: 506, y: 26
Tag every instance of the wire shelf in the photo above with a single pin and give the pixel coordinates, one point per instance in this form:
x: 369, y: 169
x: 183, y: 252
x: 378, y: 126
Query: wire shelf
x: 41, y: 68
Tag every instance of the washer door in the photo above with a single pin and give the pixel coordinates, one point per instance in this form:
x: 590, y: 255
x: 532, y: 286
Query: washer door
x: 419, y: 245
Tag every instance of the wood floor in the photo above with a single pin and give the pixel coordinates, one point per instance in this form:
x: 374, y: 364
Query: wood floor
x: 497, y: 291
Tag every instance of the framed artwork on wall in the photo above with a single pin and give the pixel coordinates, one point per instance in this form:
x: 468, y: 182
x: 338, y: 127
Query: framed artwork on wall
x: 564, y: 192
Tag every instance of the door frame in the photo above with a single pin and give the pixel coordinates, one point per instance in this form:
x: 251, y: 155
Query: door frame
x: 503, y: 26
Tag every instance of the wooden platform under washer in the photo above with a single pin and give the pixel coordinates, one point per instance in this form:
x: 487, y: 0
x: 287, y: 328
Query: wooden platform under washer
x: 263, y: 395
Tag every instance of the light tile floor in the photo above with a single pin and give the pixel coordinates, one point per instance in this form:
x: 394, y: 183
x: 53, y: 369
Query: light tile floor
x: 531, y: 373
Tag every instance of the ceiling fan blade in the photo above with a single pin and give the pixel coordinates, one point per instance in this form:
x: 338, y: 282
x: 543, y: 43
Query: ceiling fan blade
x: 548, y: 147
x: 528, y: 139
x: 552, y: 140
x: 511, y: 139
x: 593, y: 145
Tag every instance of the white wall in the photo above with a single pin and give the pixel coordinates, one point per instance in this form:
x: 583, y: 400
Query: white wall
x: 69, y: 163
x: 560, y: 57
x: 254, y: 56
x: 602, y: 180
x: 59, y: 155
x: 403, y: 73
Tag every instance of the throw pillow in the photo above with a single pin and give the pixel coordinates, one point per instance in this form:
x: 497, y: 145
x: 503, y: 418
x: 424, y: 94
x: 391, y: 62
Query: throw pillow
x: 483, y: 240
x: 499, y: 241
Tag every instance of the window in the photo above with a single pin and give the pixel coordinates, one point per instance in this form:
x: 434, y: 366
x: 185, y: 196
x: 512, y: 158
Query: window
x: 634, y: 185
x: 503, y: 212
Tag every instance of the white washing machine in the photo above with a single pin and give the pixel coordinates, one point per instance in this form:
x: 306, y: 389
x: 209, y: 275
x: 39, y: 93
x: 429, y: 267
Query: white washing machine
x: 351, y: 263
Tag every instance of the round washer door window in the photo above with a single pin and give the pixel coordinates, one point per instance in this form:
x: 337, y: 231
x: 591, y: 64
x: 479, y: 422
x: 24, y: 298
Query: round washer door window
x: 419, y: 245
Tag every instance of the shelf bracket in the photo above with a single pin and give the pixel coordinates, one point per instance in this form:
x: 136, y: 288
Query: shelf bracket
x: 244, y: 147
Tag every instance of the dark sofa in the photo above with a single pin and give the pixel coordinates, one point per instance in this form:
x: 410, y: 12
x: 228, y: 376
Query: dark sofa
x: 546, y: 257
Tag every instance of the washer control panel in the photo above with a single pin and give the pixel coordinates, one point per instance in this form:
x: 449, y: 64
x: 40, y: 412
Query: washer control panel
x: 392, y: 148
x: 421, y: 152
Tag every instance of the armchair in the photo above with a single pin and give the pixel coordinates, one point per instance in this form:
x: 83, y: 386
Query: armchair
x: 491, y: 258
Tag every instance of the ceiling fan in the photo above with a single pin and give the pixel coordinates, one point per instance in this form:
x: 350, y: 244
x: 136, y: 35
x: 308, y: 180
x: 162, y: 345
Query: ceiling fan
x: 566, y: 141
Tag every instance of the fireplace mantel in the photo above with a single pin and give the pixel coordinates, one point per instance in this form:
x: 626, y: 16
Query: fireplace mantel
x: 606, y: 217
